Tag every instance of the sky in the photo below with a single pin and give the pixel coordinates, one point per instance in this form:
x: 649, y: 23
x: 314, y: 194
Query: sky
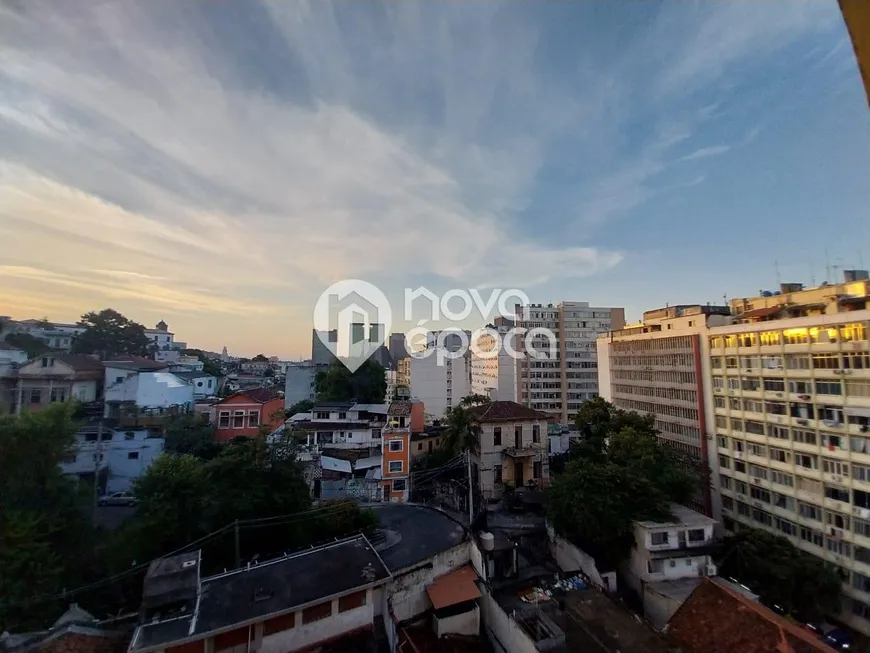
x: 218, y: 165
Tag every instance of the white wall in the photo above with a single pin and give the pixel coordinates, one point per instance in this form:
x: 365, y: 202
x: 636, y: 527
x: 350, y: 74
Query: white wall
x: 505, y: 632
x: 303, y: 636
x: 429, y: 382
x: 162, y: 389
x: 84, y: 390
x: 124, y: 469
x: 13, y: 355
x: 571, y: 558
x: 123, y: 390
x: 467, y: 623
x: 408, y: 592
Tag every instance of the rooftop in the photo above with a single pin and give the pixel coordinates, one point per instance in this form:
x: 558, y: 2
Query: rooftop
x: 7, y: 347
x: 190, y: 376
x: 333, y: 405
x: 717, y: 620
x: 504, y: 411
x: 273, y: 588
x: 79, y: 363
x: 682, y: 516
x: 400, y: 408
x: 422, y: 533
x: 260, y: 395
x: 137, y: 365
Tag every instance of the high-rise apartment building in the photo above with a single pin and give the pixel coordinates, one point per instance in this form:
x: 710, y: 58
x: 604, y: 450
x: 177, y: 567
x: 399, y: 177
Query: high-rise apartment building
x: 789, y: 407
x: 493, y: 368
x: 398, y: 348
x: 567, y: 376
x: 439, y: 380
x: 657, y: 367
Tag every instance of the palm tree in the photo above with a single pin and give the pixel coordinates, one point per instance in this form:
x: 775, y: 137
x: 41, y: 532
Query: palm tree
x: 461, y: 431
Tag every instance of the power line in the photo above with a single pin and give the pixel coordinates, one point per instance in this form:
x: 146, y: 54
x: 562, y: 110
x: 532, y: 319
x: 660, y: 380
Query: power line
x: 325, y: 510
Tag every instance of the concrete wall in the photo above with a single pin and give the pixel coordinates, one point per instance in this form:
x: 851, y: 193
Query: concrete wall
x: 467, y: 623
x: 128, y: 459
x: 570, y: 558
x: 408, y: 593
x: 503, y: 631
x: 302, y: 636
x: 658, y: 608
x: 162, y: 389
x: 429, y: 382
x: 85, y: 391
x: 298, y: 384
x: 121, y: 385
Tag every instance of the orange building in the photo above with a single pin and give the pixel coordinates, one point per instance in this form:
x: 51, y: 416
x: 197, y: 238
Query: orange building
x: 402, y: 418
x: 246, y: 412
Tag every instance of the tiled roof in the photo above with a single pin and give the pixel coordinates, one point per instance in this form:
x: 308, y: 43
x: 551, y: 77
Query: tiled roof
x: 80, y: 363
x: 137, y: 364
x: 261, y: 395
x: 504, y: 411
x: 716, y: 620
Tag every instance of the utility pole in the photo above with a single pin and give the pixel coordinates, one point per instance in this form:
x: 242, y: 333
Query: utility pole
x: 470, y: 499
x: 97, y: 461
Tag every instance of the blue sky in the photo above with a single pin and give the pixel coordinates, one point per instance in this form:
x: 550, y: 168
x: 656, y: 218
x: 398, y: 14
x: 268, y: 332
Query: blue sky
x: 217, y: 165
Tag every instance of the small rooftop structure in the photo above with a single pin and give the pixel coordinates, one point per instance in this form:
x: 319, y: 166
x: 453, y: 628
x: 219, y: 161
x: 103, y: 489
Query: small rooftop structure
x: 335, y: 465
x: 171, y: 580
x: 456, y: 587
x: 680, y: 516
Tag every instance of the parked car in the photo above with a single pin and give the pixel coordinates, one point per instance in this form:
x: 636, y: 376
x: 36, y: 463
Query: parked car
x: 838, y: 639
x: 117, y: 499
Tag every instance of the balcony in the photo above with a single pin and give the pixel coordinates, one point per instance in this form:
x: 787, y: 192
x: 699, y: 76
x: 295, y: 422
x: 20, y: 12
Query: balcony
x: 523, y: 452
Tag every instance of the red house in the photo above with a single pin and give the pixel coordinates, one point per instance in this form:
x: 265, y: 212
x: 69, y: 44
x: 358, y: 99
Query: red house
x: 245, y: 412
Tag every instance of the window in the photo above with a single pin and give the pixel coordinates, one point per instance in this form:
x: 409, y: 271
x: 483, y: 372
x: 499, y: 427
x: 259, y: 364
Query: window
x: 810, y: 511
x: 496, y: 474
x: 518, y: 436
x: 861, y: 473
x: 829, y: 388
x: 133, y: 455
x: 238, y: 419
x: 725, y: 482
x: 781, y: 478
x: 797, y: 362
x: 57, y: 394
x: 536, y: 433
x: 758, y: 472
x: 396, y: 467
x: 496, y: 436
x: 774, y: 385
x: 395, y: 445
x: 826, y: 361
x: 224, y: 419
x: 807, y: 437
x: 724, y: 462
x: 780, y: 455
x: 658, y: 539
x: 806, y: 461
x: 399, y: 485
x: 836, y: 493
x: 830, y: 466
x: 739, y: 467
x: 321, y: 415
x: 317, y: 612
x: 351, y: 601
x: 35, y: 396
x: 254, y: 418
x: 342, y: 416
x: 778, y: 432
x: 696, y: 535
x: 757, y: 449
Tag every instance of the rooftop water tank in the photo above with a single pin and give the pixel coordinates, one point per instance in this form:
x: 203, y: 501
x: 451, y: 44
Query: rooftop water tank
x: 487, y: 541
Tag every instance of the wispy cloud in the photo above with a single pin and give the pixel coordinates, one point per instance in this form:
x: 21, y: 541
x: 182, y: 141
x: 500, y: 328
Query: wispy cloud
x: 233, y: 158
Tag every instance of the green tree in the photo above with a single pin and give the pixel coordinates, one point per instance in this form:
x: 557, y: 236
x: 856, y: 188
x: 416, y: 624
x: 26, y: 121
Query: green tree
x: 260, y: 358
x: 269, y: 373
x: 781, y: 574
x: 461, y: 431
x: 209, y: 366
x: 109, y: 334
x: 45, y: 540
x: 594, y: 505
x: 367, y: 385
x: 31, y: 345
x: 191, y: 434
x: 642, y: 454
x: 302, y: 406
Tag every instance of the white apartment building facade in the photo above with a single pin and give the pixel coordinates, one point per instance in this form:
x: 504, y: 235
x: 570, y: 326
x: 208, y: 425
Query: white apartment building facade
x: 437, y: 380
x: 658, y: 367
x: 569, y: 376
x: 493, y: 369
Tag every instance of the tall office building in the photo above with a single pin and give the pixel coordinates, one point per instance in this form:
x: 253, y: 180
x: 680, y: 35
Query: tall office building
x: 398, y: 348
x: 493, y: 369
x: 438, y: 381
x: 657, y: 367
x: 320, y: 353
x: 559, y: 384
x: 790, y: 411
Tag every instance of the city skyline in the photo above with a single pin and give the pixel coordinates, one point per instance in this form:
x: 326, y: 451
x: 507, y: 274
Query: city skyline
x: 218, y: 166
